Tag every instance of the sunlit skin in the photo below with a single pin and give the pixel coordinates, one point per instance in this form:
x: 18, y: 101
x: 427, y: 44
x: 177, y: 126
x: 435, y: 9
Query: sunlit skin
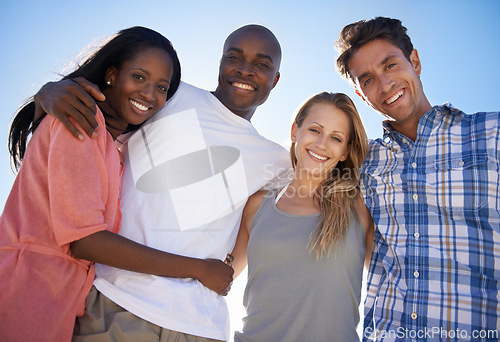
x: 137, y: 90
x: 248, y: 71
x: 320, y: 143
x: 390, y: 83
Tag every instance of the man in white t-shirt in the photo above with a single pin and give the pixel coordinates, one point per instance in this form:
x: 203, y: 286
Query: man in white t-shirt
x: 189, y: 171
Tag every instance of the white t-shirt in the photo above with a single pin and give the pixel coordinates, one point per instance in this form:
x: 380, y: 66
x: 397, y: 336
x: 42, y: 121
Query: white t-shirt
x: 188, y: 174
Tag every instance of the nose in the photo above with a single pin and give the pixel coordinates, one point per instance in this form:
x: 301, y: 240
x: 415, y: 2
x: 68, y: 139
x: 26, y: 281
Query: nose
x: 322, y: 141
x: 386, y: 83
x: 245, y: 69
x: 147, y: 91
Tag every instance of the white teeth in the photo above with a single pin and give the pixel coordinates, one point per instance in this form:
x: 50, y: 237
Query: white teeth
x: 395, y: 97
x: 139, y: 106
x: 317, y: 156
x: 243, y: 86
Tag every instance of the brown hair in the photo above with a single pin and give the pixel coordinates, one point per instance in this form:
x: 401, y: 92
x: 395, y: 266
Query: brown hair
x: 340, y: 187
x: 355, y: 35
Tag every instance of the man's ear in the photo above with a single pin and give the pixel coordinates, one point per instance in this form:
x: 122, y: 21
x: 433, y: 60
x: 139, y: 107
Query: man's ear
x: 276, y: 79
x: 415, y: 62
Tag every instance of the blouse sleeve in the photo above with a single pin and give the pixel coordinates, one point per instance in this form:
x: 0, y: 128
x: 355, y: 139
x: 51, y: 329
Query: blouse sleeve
x: 78, y: 182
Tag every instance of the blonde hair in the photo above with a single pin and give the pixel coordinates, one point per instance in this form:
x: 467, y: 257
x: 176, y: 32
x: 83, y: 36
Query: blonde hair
x: 339, y: 189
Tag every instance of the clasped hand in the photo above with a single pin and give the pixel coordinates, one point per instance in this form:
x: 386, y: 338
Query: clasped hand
x: 218, y: 276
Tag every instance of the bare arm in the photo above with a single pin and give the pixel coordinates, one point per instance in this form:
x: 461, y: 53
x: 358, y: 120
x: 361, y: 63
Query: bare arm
x: 240, y: 249
x: 70, y: 98
x: 111, y: 249
x: 367, y: 220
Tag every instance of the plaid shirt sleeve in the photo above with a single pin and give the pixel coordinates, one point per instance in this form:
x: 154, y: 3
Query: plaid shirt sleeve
x: 434, y: 271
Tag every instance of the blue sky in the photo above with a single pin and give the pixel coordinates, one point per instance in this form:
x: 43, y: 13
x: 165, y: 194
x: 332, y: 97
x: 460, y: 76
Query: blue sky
x: 458, y: 43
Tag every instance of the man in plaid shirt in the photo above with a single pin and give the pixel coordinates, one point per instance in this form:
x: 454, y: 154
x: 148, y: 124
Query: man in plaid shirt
x: 432, y: 185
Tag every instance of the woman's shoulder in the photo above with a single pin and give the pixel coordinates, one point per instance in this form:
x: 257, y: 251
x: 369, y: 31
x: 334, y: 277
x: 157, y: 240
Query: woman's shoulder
x: 253, y: 204
x: 256, y: 199
x: 99, y: 117
x: 62, y: 139
x: 54, y: 123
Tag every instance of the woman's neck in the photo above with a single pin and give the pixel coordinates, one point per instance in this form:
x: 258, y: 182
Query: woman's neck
x: 300, y: 197
x: 114, y: 125
x: 305, y: 184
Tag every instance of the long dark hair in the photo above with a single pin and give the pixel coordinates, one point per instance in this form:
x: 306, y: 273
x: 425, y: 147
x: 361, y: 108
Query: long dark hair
x: 122, y: 47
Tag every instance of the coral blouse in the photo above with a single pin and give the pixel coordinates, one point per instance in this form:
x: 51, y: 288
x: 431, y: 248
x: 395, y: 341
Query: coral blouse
x: 65, y: 190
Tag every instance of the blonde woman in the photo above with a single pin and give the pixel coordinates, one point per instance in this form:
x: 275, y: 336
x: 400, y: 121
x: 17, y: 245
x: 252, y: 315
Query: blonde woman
x: 306, y: 243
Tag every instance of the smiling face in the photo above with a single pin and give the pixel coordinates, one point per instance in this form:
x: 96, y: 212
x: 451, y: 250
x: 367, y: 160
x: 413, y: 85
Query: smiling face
x: 248, y: 70
x: 139, y: 88
x: 321, y: 141
x: 390, y: 83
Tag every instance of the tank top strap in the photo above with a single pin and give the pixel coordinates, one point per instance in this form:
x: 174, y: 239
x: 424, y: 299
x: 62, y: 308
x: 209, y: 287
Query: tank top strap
x: 281, y: 193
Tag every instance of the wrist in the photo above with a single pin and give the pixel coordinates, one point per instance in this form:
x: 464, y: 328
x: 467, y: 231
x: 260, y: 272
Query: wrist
x: 198, y: 268
x: 39, y: 111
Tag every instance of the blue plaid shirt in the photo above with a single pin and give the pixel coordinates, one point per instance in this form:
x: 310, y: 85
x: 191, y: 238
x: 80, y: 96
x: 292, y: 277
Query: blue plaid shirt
x: 435, y: 268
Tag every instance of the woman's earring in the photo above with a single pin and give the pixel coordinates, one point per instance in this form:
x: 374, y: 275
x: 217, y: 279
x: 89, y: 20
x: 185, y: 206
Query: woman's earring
x: 108, y: 83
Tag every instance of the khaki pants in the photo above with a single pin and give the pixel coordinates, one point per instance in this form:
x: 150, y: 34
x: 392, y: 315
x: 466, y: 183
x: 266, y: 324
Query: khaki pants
x: 104, y: 321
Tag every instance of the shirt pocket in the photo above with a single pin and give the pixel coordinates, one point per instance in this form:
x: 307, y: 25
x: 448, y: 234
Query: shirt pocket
x: 466, y: 183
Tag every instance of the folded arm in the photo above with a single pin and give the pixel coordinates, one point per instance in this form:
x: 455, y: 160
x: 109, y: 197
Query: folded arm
x: 111, y: 249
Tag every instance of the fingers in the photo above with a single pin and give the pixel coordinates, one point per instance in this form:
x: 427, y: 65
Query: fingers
x: 92, y: 89
x: 219, y: 277
x: 67, y: 99
x: 225, y: 292
x: 84, y: 116
x: 81, y: 105
x: 71, y: 127
x: 229, y: 259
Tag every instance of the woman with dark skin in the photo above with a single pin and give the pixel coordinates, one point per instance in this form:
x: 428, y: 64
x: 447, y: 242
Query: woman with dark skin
x: 63, y: 211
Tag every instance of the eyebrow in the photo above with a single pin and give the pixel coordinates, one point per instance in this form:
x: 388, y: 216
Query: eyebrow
x: 385, y: 60
x: 147, y: 72
x: 320, y: 125
x: 260, y: 55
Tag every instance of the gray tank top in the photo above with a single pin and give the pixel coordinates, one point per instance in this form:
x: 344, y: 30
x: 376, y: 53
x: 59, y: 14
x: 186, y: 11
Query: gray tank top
x: 292, y: 296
